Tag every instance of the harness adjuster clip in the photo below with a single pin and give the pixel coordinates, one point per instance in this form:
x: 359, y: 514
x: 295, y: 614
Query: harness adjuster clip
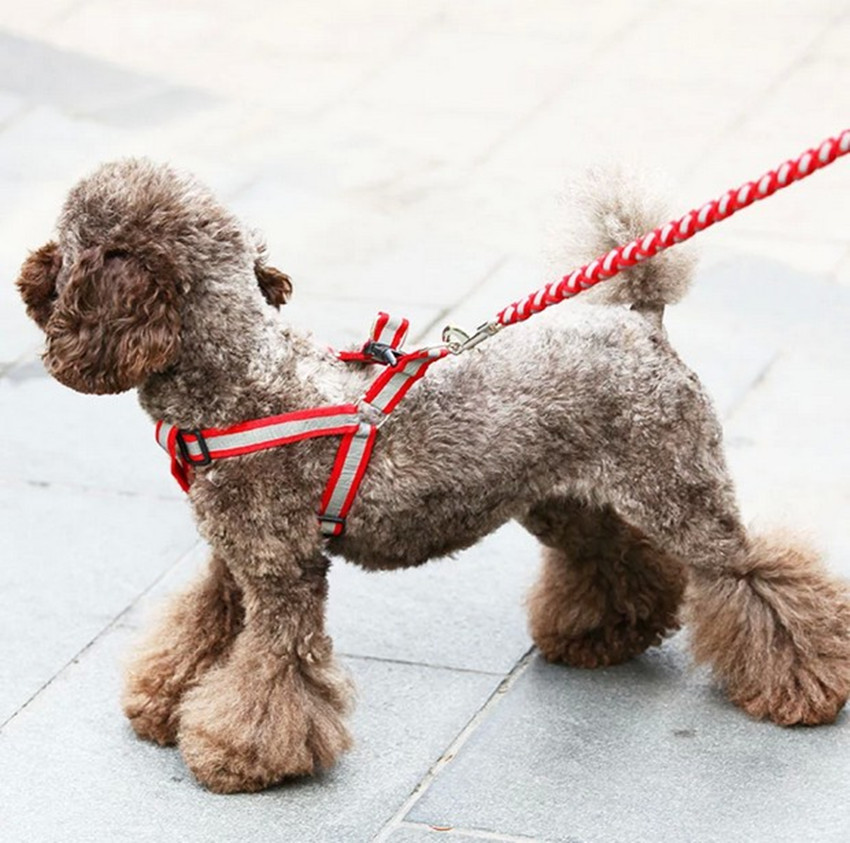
x: 381, y: 352
x: 337, y: 524
x: 183, y: 447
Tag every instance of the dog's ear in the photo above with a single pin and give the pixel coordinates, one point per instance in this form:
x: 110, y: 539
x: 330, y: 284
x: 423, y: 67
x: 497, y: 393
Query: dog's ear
x: 37, y: 282
x: 276, y: 286
x: 115, y: 322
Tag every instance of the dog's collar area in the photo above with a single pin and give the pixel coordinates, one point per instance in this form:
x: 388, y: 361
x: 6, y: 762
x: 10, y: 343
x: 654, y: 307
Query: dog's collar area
x: 357, y: 425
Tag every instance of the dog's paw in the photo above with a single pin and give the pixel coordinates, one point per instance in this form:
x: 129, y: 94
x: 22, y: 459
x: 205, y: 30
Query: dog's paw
x: 159, y: 676
x: 151, y: 704
x: 604, y: 646
x: 777, y: 634
x: 194, y: 632
x: 598, y: 615
x: 808, y: 695
x: 252, y: 723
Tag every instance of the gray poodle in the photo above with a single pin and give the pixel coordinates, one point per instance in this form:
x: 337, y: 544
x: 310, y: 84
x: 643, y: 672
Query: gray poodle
x: 581, y: 423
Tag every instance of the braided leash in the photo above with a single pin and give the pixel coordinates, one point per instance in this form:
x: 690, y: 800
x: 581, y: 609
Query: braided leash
x: 649, y: 245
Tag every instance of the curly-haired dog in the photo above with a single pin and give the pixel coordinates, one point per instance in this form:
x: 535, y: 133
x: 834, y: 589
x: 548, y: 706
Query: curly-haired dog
x: 610, y: 454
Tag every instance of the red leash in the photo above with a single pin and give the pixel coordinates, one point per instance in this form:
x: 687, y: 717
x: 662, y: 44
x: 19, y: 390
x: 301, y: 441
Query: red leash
x: 649, y: 245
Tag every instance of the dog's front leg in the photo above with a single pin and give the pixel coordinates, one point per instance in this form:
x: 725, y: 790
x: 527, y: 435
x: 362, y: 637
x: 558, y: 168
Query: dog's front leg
x: 194, y: 632
x: 274, y: 708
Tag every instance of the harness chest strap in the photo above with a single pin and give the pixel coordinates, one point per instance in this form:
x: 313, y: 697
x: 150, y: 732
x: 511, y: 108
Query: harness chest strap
x: 190, y: 449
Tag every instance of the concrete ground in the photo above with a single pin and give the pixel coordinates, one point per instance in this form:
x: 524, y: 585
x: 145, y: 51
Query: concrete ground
x: 407, y: 156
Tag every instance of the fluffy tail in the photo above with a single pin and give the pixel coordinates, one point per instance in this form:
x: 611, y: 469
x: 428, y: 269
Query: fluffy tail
x: 611, y: 210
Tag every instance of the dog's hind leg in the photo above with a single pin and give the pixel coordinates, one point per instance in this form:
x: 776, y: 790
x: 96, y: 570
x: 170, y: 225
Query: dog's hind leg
x: 770, y: 620
x: 196, y: 630
x: 605, y: 592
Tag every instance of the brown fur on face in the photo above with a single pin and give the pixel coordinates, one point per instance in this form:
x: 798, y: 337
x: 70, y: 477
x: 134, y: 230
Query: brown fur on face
x: 114, y: 323
x: 37, y: 282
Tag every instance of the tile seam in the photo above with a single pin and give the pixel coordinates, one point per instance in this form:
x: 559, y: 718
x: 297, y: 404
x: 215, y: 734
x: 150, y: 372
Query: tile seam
x: 454, y: 747
x: 103, y: 631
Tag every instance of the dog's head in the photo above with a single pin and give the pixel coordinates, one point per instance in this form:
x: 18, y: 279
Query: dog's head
x: 111, y: 292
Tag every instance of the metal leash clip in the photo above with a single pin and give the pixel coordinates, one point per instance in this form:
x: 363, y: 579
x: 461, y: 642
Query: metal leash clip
x: 457, y: 340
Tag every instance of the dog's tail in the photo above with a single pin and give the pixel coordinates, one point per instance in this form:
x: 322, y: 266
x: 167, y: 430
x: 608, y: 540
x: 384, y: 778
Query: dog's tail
x: 610, y: 211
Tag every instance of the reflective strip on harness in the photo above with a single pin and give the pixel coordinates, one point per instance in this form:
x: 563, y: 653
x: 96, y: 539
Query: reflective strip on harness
x: 191, y: 449
x: 394, y: 382
x: 384, y: 343
x: 349, y: 468
x: 269, y: 432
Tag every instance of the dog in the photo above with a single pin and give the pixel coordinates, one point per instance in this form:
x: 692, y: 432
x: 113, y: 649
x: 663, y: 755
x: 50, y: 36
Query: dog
x: 581, y: 423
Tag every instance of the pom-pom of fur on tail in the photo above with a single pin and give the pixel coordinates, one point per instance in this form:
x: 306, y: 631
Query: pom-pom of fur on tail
x: 606, y: 209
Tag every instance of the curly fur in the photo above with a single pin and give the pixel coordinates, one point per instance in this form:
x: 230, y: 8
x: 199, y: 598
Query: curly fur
x: 607, y: 210
x: 115, y: 323
x: 276, y: 285
x: 613, y: 460
x: 754, y: 627
x: 605, y: 594
x: 37, y: 282
x: 193, y: 634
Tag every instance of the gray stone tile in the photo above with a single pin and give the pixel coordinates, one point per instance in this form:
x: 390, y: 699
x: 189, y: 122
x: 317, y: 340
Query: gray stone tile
x: 433, y: 272
x: 19, y: 335
x: 81, y: 85
x: 55, y: 435
x: 461, y: 613
x: 790, y: 455
x: 510, y: 280
x: 10, y: 106
x: 42, y: 153
x: 738, y: 318
x: 38, y: 15
x: 649, y: 751
x: 71, y: 563
x: 73, y: 771
x: 160, y: 104
x: 352, y: 242
x: 453, y: 71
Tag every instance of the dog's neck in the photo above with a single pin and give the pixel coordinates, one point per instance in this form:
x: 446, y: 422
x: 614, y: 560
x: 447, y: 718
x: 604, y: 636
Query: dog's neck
x: 245, y: 366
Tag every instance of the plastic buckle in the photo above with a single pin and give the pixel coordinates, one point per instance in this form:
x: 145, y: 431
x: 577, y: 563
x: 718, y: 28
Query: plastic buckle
x: 380, y: 352
x: 182, y: 446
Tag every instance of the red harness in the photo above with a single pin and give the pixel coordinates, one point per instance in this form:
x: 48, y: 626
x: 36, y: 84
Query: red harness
x: 190, y: 449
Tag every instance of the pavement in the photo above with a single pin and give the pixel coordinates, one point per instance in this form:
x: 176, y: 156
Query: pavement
x: 408, y: 157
